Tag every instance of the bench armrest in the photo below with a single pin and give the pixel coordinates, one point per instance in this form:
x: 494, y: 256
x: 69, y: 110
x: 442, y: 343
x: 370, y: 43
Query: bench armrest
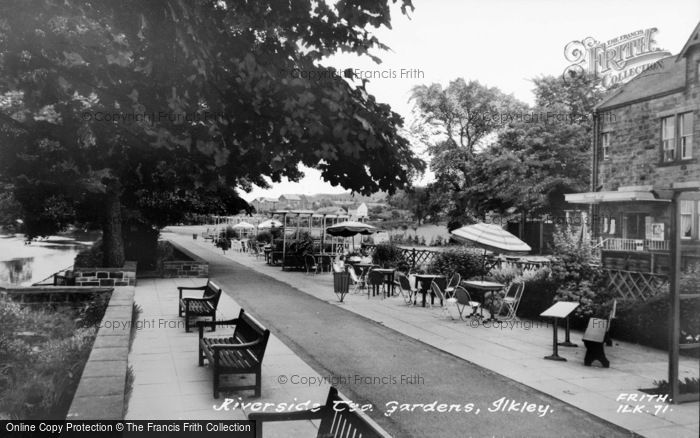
x: 188, y: 299
x: 287, y: 416
x: 202, y: 324
x: 181, y: 288
x: 243, y: 346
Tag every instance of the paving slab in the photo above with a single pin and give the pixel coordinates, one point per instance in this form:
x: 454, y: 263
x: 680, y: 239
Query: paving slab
x: 169, y: 384
x: 515, y: 351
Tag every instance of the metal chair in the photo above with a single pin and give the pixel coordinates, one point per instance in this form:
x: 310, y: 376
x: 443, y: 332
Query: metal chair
x: 446, y: 302
x: 311, y: 265
x: 454, y: 282
x: 464, y: 300
x: 357, y: 281
x: 375, y: 281
x: 407, y: 292
x: 511, y: 301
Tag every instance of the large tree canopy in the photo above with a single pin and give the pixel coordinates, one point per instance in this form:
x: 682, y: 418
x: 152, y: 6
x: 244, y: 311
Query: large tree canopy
x: 492, y: 153
x: 456, y: 123
x: 141, y: 111
x: 539, y: 158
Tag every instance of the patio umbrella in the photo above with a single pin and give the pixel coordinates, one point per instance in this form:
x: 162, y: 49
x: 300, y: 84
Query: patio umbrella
x: 270, y: 223
x: 350, y: 228
x: 243, y: 226
x: 491, y: 237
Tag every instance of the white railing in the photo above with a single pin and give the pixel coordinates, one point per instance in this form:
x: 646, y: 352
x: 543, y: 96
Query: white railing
x: 657, y: 245
x: 618, y: 244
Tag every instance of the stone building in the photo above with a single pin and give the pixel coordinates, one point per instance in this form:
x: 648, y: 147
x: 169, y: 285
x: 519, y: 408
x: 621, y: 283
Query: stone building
x: 646, y: 150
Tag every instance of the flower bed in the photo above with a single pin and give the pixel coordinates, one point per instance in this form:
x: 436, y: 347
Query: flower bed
x: 42, y: 354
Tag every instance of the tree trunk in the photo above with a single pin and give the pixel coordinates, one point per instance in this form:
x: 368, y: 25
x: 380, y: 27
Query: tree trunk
x: 112, y: 238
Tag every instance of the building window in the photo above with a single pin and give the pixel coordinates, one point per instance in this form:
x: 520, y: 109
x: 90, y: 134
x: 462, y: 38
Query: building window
x: 668, y: 138
x: 677, y: 137
x: 685, y: 131
x: 605, y: 144
x: 686, y: 219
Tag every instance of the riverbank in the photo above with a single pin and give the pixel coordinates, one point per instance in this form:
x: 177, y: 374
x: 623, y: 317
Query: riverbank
x: 23, y: 264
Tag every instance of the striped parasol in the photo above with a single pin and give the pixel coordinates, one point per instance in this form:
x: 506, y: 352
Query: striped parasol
x: 491, y: 237
x: 243, y: 225
x: 270, y: 223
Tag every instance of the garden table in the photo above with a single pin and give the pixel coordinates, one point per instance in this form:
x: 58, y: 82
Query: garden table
x: 388, y: 274
x: 484, y: 287
x: 425, y: 280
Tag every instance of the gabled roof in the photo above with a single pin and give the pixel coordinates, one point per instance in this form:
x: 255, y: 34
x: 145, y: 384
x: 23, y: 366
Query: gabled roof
x: 667, y: 78
x: 291, y: 197
x: 693, y: 40
x: 657, y: 81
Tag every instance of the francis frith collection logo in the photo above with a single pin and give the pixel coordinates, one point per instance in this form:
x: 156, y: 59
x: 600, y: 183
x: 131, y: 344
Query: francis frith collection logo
x: 615, y: 61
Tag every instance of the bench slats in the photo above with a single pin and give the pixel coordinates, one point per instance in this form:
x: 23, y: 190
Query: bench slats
x: 337, y: 421
x: 200, y: 307
x: 242, y: 360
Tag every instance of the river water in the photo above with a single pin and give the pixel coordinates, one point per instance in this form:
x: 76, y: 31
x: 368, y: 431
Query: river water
x: 23, y: 265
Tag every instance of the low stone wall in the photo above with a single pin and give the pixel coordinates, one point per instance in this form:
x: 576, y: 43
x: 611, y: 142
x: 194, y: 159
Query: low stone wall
x: 52, y: 295
x: 100, y: 393
x: 196, y: 267
x: 106, y: 277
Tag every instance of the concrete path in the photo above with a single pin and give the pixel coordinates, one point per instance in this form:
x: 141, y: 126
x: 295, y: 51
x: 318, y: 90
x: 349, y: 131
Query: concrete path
x: 516, y: 352
x: 168, y: 383
x: 377, y: 366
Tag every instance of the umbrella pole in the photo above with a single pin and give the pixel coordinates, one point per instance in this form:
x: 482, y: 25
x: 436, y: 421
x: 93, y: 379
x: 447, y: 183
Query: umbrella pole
x: 483, y: 265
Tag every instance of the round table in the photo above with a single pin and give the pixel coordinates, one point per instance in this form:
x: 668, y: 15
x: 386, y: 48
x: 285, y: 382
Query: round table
x: 485, y: 286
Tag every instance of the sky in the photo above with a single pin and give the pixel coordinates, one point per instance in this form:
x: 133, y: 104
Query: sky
x: 501, y: 43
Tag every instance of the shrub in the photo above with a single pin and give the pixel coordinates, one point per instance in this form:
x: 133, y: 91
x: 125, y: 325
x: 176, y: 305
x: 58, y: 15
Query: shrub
x: 303, y: 245
x: 90, y: 257
x: 465, y: 261
x: 224, y: 243
x: 647, y: 322
x: 264, y: 237
x: 387, y: 254
x: 230, y: 233
x: 42, y: 353
x: 690, y: 279
x: 577, y: 277
x: 504, y: 274
x: 539, y: 293
x: 687, y: 385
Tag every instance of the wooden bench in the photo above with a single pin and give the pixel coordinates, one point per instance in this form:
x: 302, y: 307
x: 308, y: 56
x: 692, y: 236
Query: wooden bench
x: 199, y: 307
x: 242, y: 353
x: 337, y: 419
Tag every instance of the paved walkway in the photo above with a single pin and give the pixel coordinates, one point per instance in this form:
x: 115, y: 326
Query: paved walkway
x: 168, y: 383
x: 517, y: 355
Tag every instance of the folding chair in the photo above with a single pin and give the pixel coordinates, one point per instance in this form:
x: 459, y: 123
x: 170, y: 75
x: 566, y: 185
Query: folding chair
x: 464, y: 300
x: 357, y: 282
x: 405, y: 289
x: 511, y: 301
x: 454, y: 282
x: 311, y: 265
x: 446, y: 302
x: 375, y: 281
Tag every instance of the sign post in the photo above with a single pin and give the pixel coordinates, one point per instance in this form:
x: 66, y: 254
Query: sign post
x: 560, y: 309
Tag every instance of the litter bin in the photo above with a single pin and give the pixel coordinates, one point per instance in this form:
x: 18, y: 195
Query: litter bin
x: 194, y: 236
x: 341, y: 284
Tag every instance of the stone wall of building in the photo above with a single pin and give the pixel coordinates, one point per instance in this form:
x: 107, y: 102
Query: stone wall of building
x: 124, y: 276
x: 635, y: 157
